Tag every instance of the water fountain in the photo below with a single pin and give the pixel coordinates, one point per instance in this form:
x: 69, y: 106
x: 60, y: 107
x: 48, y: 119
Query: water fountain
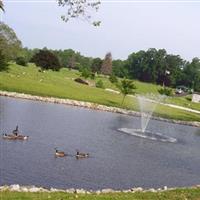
x: 147, y: 105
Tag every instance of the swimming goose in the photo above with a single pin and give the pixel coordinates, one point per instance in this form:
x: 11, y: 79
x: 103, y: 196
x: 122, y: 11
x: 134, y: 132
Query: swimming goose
x: 81, y: 155
x: 59, y: 153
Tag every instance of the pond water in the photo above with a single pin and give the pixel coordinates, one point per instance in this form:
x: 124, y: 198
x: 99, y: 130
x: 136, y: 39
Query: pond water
x: 117, y: 160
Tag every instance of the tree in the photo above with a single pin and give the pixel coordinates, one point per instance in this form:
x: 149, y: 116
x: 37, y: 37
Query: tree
x: 119, y: 68
x: 10, y: 45
x: 46, y: 60
x: 1, y: 6
x: 79, y: 9
x: 96, y: 65
x: 3, y: 63
x: 106, y: 67
x: 126, y: 87
x: 192, y: 74
x: 21, y: 61
x: 85, y: 72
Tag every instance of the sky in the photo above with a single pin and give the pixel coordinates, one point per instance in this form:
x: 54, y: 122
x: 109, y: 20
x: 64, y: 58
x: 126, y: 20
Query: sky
x: 126, y: 27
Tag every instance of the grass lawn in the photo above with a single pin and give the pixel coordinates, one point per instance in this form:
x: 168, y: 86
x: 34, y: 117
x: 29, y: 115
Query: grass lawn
x: 61, y: 84
x: 178, y: 194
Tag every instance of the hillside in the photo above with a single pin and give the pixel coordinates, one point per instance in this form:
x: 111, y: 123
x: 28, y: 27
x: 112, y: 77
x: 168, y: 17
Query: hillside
x: 61, y: 84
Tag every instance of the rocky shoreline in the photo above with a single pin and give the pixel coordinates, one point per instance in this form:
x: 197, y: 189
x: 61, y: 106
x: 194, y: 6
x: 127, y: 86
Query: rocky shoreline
x: 89, y: 105
x: 32, y: 189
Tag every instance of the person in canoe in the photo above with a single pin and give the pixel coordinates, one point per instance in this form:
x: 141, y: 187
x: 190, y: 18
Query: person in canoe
x: 16, y: 131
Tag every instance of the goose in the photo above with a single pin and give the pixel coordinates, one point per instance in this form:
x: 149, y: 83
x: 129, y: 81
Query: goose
x: 59, y: 153
x: 81, y: 155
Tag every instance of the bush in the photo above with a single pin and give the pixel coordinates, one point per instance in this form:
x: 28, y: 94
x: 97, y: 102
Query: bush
x: 85, y: 72
x: 46, y: 60
x: 113, y: 78
x: 3, y: 63
x: 166, y: 91
x: 99, y: 84
x: 21, y: 61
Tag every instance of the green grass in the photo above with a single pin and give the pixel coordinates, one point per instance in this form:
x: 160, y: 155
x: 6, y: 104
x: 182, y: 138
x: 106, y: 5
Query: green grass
x: 61, y: 84
x: 178, y: 194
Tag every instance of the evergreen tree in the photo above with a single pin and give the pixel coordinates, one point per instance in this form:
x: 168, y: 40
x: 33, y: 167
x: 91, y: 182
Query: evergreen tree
x: 106, y: 67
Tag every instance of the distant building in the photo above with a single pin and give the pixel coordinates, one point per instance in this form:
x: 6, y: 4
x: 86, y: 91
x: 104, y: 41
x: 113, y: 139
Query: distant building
x: 196, y: 98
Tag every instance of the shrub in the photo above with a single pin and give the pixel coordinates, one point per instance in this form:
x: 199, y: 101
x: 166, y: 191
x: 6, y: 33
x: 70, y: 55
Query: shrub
x: 21, y: 61
x: 85, y: 72
x: 113, y: 78
x: 99, y: 84
x: 46, y: 60
x: 166, y: 91
x: 3, y: 63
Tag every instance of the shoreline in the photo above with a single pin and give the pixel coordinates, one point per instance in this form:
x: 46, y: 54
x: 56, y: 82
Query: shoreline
x: 93, y: 106
x: 35, y: 189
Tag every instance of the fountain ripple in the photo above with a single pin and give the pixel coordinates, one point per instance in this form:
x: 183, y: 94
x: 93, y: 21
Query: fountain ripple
x: 148, y: 135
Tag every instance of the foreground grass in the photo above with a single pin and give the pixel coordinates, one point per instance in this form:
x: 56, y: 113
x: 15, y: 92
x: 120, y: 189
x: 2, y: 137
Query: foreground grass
x: 177, y: 194
x: 60, y: 84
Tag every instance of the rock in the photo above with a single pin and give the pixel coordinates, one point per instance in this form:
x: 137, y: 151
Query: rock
x: 24, y: 189
x: 126, y: 191
x: 152, y: 190
x: 71, y: 190
x: 108, y: 190
x: 165, y: 188
x: 138, y: 189
x: 34, y: 189
x: 98, y: 192
x: 79, y: 80
x: 80, y: 191
x: 3, y: 188
x: 15, y: 188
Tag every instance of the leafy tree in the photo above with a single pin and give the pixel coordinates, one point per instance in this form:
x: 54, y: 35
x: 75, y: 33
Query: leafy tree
x: 85, y: 72
x: 113, y: 78
x: 192, y: 74
x: 3, y: 63
x: 10, y: 45
x: 119, y: 68
x: 46, y: 60
x: 21, y: 61
x: 126, y: 87
x: 96, y: 65
x: 106, y: 67
x: 79, y: 9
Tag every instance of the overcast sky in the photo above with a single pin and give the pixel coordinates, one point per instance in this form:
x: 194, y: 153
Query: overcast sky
x: 126, y: 27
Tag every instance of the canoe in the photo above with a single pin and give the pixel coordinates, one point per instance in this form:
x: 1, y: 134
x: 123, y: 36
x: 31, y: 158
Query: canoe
x: 15, y: 137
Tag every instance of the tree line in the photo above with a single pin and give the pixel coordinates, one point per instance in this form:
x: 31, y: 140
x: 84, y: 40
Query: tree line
x: 152, y: 65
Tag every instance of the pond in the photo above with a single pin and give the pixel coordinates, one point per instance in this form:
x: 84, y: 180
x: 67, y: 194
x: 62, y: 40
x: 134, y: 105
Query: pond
x: 117, y: 160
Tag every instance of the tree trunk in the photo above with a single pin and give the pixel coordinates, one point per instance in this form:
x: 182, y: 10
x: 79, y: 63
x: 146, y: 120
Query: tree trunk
x: 123, y: 99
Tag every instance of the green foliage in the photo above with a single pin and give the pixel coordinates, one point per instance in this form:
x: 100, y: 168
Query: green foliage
x: 113, y: 78
x: 126, y: 87
x: 21, y: 61
x: 192, y: 74
x: 3, y: 63
x: 166, y: 91
x: 10, y: 45
x: 61, y: 84
x: 99, y: 84
x: 79, y: 9
x: 120, y: 68
x: 85, y: 72
x: 46, y: 60
x: 172, y: 194
x: 96, y: 65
